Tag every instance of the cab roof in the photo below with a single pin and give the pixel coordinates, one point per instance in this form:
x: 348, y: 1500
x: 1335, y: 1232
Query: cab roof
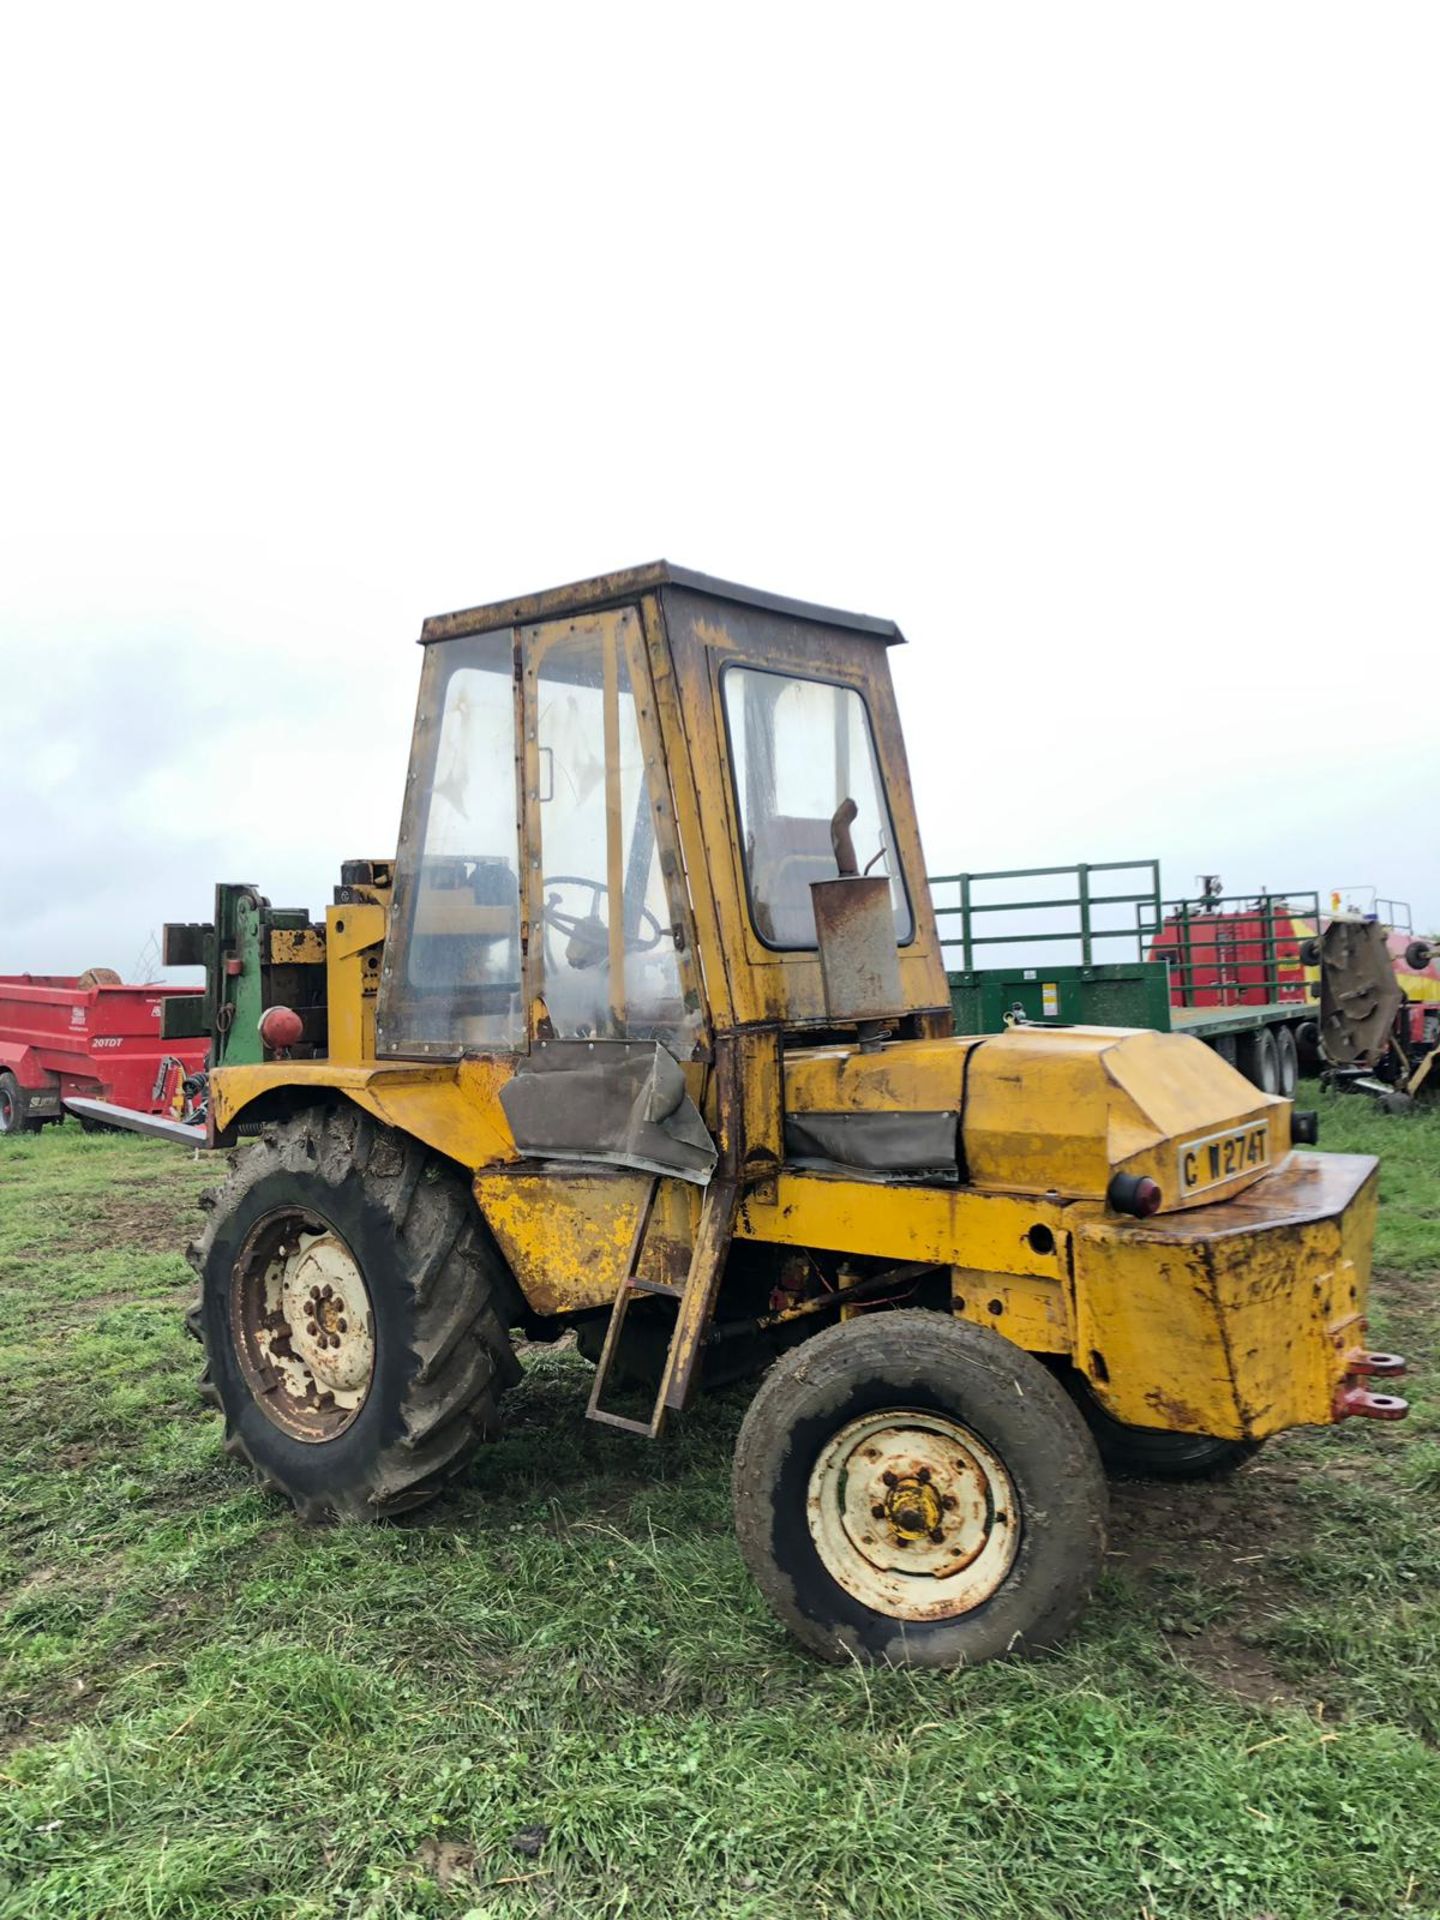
x: 614, y: 589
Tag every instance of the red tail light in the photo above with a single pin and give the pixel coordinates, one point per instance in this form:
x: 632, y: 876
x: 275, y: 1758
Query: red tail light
x: 1134, y: 1193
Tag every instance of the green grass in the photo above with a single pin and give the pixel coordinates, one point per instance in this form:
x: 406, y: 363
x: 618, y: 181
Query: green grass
x: 205, y: 1710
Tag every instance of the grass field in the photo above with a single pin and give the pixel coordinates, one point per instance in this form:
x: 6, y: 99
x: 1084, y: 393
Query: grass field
x: 556, y: 1693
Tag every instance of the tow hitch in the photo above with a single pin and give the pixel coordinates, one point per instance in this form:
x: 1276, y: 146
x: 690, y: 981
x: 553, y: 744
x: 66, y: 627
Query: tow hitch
x: 1354, y: 1398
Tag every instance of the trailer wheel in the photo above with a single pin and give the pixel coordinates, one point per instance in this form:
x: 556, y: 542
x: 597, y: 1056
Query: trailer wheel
x: 1418, y: 955
x: 916, y: 1490
x: 1143, y: 1453
x: 14, y: 1114
x: 1259, y: 1062
x: 1287, y: 1062
x: 353, y: 1315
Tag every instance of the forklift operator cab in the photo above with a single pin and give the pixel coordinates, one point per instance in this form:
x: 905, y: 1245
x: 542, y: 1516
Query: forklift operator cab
x: 540, y: 884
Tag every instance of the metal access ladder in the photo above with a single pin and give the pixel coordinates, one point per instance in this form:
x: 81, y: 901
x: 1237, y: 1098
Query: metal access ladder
x: 695, y: 1304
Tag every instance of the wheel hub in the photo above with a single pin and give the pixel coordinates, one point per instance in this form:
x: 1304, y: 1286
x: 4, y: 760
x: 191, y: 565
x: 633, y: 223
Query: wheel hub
x: 913, y: 1514
x: 303, y: 1327
x: 912, y: 1508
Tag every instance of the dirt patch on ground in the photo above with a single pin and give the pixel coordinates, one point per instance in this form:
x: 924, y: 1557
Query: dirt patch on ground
x: 1205, y: 1554
x: 1406, y: 1293
x: 159, y: 1219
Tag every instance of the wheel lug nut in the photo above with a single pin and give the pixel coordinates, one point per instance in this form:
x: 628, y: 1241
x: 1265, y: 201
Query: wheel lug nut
x: 922, y: 1474
x: 948, y: 1502
x: 937, y: 1534
x: 311, y: 1328
x: 340, y: 1327
x: 877, y: 1512
x: 326, y: 1291
x: 889, y: 1478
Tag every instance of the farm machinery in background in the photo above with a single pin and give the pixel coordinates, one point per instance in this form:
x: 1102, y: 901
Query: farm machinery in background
x: 1273, y: 983
x: 91, y: 1045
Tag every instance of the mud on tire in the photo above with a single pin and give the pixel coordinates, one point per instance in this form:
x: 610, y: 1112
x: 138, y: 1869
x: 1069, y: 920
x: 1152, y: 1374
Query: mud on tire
x: 439, y: 1301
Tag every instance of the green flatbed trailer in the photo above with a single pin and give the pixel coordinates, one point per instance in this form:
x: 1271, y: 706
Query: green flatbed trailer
x: 1226, y: 968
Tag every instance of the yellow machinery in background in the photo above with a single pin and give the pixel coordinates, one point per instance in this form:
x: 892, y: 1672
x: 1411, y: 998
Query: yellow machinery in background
x: 645, y: 1033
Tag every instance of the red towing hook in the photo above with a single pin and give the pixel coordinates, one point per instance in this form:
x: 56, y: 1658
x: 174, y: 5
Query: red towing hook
x: 1353, y: 1398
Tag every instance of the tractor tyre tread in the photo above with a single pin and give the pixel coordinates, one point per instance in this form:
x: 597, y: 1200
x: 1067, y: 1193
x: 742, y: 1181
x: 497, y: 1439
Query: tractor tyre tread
x: 1145, y: 1453
x: 451, y: 1293
x: 1287, y: 1062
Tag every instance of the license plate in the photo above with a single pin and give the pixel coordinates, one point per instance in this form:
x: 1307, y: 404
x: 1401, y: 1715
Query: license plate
x: 1210, y: 1162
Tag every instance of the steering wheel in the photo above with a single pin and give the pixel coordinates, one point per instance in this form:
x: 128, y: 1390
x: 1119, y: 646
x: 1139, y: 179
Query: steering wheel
x: 587, y: 929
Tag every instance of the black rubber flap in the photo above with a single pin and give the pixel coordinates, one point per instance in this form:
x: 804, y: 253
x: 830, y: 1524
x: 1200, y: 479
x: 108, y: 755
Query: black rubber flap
x: 622, y: 1102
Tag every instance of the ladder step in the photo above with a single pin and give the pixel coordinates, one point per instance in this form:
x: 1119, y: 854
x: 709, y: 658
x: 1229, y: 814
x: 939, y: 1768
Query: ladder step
x: 661, y: 1287
x: 646, y: 1428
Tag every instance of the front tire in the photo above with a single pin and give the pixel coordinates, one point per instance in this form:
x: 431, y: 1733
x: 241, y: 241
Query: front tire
x: 915, y: 1490
x: 353, y: 1315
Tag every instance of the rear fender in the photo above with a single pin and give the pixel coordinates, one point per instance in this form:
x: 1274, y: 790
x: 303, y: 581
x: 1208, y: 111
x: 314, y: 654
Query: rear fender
x: 23, y: 1063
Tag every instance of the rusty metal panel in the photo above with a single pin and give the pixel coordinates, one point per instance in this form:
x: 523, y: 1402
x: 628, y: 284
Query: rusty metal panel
x: 567, y: 1232
x: 297, y: 946
x: 759, y: 1073
x: 859, y: 960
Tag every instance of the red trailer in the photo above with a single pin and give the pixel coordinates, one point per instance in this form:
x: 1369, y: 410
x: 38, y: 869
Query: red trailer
x: 88, y: 1037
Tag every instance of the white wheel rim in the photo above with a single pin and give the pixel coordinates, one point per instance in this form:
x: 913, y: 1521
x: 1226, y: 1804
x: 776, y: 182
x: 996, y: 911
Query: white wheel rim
x: 913, y: 1515
x: 303, y: 1325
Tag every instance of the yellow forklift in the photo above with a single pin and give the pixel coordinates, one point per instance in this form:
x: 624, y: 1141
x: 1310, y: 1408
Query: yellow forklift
x: 645, y: 1035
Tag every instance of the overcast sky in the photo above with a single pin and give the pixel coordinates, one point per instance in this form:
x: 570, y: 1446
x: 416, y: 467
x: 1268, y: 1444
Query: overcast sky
x: 1097, y: 345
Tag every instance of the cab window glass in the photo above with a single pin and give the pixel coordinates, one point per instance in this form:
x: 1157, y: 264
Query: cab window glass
x: 798, y: 748
x: 452, y: 981
x: 608, y: 962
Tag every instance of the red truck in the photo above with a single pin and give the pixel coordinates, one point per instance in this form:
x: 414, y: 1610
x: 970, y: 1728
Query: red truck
x: 88, y: 1038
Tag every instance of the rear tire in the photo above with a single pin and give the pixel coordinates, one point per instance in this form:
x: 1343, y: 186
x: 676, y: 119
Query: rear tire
x: 15, y: 1116
x: 831, y: 1443
x: 413, y: 1374
x: 1259, y: 1062
x: 1287, y: 1062
x: 1144, y: 1453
